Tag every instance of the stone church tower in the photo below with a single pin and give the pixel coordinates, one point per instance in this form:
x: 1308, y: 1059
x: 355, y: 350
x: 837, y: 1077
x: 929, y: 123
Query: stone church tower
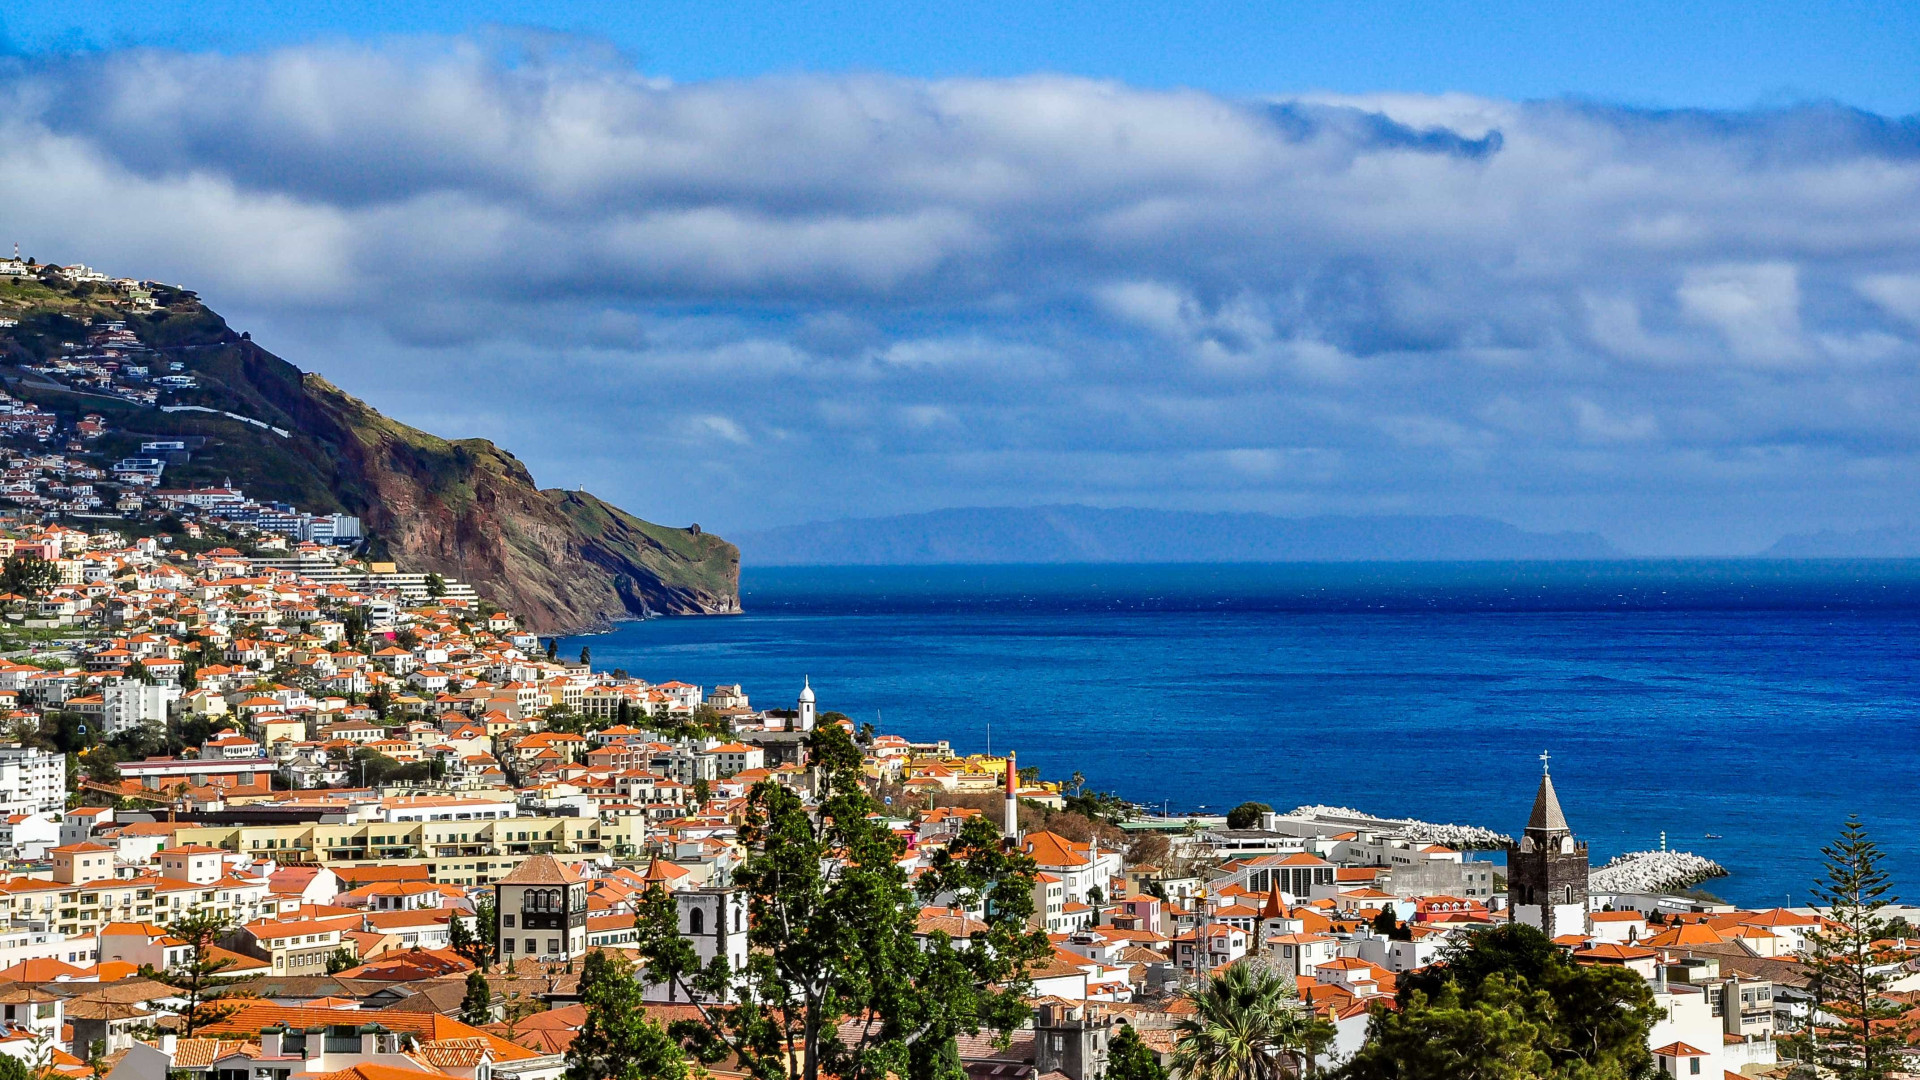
x: 1547, y: 869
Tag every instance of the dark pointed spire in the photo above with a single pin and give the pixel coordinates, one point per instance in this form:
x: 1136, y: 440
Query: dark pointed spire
x: 1546, y: 816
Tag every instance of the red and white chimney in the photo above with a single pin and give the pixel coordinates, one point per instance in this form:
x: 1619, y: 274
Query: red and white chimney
x: 1010, y: 824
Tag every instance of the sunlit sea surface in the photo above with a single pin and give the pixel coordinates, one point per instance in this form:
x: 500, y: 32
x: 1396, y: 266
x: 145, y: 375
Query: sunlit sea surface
x: 1759, y: 702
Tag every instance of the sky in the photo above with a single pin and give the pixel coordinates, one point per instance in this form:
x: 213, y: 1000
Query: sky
x: 1651, y: 271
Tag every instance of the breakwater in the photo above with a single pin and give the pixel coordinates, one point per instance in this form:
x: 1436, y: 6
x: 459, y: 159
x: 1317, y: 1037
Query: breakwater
x: 1458, y: 837
x: 1653, y: 871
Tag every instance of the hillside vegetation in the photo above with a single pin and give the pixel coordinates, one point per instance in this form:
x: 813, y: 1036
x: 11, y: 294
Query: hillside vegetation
x: 464, y: 508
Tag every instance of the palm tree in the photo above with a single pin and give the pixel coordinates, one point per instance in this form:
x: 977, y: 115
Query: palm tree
x: 1247, y: 1024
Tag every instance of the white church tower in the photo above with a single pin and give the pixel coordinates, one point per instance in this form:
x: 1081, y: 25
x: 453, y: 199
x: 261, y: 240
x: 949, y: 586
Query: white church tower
x: 804, y: 722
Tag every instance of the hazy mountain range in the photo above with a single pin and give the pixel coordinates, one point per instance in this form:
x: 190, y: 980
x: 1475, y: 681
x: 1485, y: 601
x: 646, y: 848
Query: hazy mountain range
x: 1072, y: 534
x: 1889, y: 542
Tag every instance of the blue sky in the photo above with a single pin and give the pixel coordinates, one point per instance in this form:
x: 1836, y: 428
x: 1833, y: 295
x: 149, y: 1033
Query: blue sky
x: 1654, y: 273
x: 1717, y: 55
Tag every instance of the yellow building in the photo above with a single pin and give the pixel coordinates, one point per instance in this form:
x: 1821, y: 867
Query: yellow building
x: 452, y: 852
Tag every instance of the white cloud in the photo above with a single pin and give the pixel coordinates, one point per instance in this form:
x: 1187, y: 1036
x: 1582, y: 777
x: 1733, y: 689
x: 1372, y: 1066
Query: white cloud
x: 1898, y: 293
x: 1755, y: 307
x: 930, y: 293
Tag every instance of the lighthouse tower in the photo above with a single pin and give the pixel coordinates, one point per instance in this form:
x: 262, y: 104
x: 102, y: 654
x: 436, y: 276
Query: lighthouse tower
x: 1010, y: 821
x: 804, y: 722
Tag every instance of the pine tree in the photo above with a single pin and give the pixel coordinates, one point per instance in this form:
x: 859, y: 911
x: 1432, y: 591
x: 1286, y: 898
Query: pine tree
x: 617, y: 1041
x: 198, y: 977
x: 476, y: 1008
x: 1129, y: 1059
x: 1855, y: 1032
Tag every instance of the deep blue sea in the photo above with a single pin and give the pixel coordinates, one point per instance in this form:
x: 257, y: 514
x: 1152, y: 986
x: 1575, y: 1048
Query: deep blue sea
x: 1759, y: 701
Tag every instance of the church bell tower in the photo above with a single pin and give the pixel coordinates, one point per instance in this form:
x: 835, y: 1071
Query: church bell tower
x: 1547, y: 869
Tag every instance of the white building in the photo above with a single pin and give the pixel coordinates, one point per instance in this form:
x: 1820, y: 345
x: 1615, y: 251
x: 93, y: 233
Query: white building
x: 1688, y: 1040
x: 130, y: 703
x: 28, y: 836
x: 78, y: 824
x: 714, y: 920
x: 32, y: 780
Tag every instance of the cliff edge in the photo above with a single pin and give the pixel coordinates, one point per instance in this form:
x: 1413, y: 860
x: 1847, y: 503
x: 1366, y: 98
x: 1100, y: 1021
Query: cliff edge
x: 464, y: 508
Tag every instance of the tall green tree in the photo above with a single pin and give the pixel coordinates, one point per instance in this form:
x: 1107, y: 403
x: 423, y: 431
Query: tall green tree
x: 1510, y: 986
x: 1246, y: 1023
x: 617, y: 1040
x: 1855, y: 1032
x: 198, y: 977
x: 1129, y: 1059
x: 832, y: 937
x: 476, y: 1007
x: 475, y: 943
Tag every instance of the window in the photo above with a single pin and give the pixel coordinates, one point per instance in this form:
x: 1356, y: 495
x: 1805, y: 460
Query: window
x: 508, y: 943
x: 532, y: 946
x: 696, y: 921
x: 553, y: 945
x: 1693, y: 1066
x: 509, y: 924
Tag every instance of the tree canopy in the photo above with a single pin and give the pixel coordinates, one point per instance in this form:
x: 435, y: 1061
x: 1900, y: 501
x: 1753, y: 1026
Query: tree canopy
x: 617, y: 1040
x: 1129, y: 1059
x: 1508, y: 1003
x: 1247, y: 815
x: 832, y: 934
x: 1247, y: 1023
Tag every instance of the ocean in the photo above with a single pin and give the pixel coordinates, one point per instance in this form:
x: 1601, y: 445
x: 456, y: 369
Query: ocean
x: 1743, y: 708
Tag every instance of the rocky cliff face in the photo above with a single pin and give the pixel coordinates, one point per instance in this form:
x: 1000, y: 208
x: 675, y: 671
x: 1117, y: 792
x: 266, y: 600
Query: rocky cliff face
x: 461, y: 508
x: 468, y: 509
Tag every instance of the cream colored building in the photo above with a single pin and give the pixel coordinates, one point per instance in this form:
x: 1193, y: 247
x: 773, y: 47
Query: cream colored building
x: 453, y: 852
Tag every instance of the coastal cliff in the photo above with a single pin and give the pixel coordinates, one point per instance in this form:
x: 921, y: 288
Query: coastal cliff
x: 464, y: 508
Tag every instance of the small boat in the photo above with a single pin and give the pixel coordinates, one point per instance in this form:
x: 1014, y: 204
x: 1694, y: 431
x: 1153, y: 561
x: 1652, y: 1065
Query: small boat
x: 1713, y: 836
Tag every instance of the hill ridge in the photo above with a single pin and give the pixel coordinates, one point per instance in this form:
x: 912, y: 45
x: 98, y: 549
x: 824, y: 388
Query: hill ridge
x: 464, y: 508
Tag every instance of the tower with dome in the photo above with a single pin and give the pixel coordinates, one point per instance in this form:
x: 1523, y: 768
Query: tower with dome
x: 804, y: 721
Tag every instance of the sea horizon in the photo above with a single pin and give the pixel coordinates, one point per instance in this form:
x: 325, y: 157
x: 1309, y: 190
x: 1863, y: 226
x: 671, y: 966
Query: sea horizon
x: 1731, y: 697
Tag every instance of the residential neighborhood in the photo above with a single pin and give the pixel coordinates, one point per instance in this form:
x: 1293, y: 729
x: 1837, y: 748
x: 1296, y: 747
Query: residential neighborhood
x: 345, y: 767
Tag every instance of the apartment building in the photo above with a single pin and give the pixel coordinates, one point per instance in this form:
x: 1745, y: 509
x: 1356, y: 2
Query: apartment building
x: 32, y: 781
x: 455, y: 852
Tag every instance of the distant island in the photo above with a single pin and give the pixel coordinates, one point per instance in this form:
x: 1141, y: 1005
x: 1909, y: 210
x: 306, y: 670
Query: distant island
x: 1082, y: 534
x: 1890, y: 542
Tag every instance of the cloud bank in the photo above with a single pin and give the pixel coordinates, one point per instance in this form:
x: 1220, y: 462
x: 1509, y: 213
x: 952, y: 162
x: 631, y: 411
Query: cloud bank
x: 759, y: 302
